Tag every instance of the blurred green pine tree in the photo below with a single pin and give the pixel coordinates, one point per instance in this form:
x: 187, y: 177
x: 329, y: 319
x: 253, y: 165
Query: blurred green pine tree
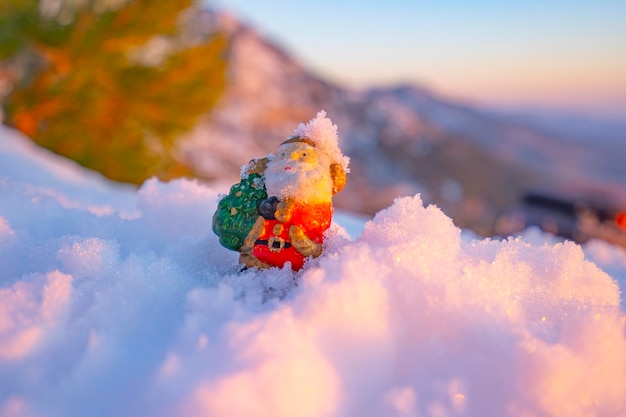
x: 107, y: 83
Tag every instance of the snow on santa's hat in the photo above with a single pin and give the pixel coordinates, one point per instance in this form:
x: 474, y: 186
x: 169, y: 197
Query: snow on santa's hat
x: 321, y: 134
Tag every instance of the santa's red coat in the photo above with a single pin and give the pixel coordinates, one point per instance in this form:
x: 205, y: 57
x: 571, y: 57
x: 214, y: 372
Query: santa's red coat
x: 274, y: 247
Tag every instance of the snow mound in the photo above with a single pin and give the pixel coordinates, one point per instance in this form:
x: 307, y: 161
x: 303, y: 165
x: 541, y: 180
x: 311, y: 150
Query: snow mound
x: 108, y: 315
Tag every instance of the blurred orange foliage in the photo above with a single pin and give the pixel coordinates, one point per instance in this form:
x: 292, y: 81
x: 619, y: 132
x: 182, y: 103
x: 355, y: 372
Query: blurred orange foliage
x: 111, y: 89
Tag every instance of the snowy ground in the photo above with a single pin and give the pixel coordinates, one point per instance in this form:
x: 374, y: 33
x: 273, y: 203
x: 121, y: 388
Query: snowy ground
x: 122, y: 303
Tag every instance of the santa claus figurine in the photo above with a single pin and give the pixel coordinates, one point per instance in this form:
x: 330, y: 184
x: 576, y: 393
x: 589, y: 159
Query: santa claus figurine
x: 282, y: 207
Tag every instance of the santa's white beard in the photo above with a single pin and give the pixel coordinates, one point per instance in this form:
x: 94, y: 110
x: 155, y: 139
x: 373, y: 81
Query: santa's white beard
x: 306, y: 183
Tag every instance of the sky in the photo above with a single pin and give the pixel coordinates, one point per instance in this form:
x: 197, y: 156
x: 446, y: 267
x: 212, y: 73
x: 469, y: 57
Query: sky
x: 567, y: 55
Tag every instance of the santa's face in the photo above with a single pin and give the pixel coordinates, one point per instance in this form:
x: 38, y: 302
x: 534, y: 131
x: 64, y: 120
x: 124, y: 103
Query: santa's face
x: 299, y: 170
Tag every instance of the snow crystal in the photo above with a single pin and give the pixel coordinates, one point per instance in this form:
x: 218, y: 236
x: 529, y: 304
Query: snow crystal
x: 119, y: 315
x: 30, y: 313
x: 5, y: 229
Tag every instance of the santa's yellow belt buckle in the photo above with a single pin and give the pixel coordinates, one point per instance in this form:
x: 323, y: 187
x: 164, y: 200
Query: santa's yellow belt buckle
x: 275, y: 243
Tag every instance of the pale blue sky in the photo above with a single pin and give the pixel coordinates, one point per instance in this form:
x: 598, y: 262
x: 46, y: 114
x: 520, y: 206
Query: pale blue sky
x: 551, y: 53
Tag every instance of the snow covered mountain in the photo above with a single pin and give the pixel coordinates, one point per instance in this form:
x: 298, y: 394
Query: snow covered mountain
x: 474, y: 164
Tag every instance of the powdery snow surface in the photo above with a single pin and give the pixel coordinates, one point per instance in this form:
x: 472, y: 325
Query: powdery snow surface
x: 107, y: 314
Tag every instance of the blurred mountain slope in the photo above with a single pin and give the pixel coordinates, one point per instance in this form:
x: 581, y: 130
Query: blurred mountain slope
x: 473, y: 163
